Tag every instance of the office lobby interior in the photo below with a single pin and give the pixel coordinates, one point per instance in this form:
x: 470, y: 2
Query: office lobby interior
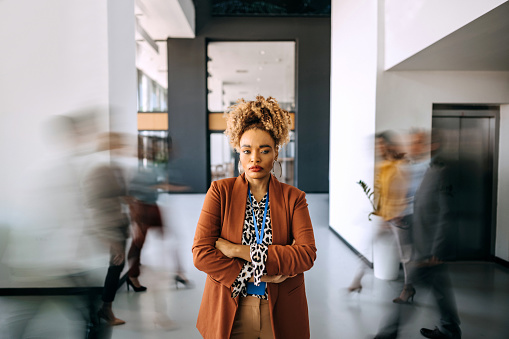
x: 163, y: 72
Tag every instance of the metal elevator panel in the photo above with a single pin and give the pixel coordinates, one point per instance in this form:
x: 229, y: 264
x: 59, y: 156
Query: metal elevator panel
x: 467, y: 148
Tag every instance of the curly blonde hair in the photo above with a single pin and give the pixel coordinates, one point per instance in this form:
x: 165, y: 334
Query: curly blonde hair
x: 264, y: 114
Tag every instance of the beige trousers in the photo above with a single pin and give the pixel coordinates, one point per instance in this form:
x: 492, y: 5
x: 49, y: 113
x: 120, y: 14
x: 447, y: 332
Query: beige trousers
x: 252, y: 320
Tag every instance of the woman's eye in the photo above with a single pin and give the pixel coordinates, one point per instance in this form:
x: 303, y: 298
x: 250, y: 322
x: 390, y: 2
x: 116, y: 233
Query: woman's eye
x: 265, y: 152
x: 246, y: 151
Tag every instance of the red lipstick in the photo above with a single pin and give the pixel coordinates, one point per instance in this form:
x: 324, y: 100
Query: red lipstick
x: 255, y: 169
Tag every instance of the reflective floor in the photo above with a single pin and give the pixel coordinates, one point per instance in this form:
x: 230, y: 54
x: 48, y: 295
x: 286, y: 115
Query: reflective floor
x: 481, y: 289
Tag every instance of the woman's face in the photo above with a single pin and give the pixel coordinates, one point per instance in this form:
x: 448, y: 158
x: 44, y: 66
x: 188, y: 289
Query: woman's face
x: 257, y: 153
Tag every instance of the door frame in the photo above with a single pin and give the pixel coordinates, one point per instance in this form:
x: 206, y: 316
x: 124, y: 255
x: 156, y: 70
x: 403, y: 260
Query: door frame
x: 480, y: 111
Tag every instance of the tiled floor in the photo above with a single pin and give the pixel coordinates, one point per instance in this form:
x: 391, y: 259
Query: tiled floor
x: 481, y: 289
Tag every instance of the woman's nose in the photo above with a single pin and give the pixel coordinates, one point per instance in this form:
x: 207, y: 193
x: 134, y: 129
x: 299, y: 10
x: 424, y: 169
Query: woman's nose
x: 255, y: 157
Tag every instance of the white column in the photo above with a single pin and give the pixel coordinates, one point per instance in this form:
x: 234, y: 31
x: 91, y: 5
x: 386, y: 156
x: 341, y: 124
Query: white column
x: 353, y: 103
x: 122, y: 75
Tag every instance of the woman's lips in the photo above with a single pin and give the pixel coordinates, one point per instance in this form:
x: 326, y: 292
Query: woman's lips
x: 255, y: 169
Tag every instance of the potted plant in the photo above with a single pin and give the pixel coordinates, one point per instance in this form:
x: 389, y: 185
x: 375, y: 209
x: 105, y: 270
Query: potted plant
x: 385, y: 253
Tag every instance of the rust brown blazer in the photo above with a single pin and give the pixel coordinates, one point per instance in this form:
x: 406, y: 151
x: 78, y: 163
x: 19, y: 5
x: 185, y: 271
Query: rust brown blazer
x: 223, y: 216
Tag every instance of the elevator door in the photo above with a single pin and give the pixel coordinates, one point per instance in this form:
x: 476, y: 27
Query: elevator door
x: 467, y: 146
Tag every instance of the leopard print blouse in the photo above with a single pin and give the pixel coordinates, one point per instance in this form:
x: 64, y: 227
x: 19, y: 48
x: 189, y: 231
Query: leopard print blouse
x: 258, y: 252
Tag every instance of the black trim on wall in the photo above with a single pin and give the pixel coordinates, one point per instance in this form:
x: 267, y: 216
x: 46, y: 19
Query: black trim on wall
x: 501, y: 261
x: 362, y: 257
x: 187, y: 92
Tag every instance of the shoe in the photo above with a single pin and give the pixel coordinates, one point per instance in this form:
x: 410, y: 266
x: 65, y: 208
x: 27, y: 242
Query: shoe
x: 135, y: 288
x: 437, y: 334
x: 183, y: 281
x: 406, y: 295
x: 110, y: 319
x: 355, y: 288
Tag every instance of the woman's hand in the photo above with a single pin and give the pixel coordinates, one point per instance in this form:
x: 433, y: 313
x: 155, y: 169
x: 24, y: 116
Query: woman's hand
x: 226, y: 247
x: 232, y: 250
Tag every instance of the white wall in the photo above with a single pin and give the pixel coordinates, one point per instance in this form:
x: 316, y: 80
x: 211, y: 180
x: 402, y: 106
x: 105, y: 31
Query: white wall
x: 57, y: 57
x: 122, y: 84
x: 502, y: 240
x: 411, y: 26
x: 405, y: 99
x: 353, y: 94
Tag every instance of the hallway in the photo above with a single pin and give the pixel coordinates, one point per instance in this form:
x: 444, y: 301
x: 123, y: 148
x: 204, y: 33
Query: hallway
x: 482, y: 290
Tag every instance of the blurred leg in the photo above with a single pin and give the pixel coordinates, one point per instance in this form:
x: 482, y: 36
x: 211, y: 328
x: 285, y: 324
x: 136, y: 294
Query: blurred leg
x: 444, y: 296
x: 135, y: 250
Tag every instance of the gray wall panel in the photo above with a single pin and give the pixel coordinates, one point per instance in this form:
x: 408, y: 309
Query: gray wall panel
x: 187, y: 90
x: 187, y: 121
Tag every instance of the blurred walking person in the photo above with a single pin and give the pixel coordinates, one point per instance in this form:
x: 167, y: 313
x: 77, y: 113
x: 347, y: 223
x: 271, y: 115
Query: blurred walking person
x: 414, y: 166
x: 144, y: 188
x: 390, y: 189
x: 105, y: 189
x: 432, y: 216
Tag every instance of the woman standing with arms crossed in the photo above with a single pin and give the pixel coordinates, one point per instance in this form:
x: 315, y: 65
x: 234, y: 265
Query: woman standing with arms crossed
x: 254, y: 238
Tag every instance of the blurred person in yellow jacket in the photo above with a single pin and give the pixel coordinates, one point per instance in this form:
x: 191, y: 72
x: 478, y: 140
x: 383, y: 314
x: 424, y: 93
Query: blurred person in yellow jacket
x: 390, y: 189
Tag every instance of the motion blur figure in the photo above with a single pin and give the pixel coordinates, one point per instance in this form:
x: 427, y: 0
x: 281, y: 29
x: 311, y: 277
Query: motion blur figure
x: 50, y: 246
x: 390, y: 189
x: 414, y: 166
x: 106, y: 191
x: 144, y: 188
x: 432, y: 213
x: 145, y: 214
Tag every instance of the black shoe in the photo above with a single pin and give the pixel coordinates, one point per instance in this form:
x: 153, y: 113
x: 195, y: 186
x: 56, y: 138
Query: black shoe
x: 135, y: 288
x: 437, y: 334
x: 183, y: 281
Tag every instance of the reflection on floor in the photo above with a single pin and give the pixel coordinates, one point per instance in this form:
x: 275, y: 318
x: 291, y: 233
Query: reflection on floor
x: 481, y: 289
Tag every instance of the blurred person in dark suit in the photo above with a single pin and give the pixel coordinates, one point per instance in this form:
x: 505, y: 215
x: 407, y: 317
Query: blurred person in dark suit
x: 105, y: 192
x: 431, y: 220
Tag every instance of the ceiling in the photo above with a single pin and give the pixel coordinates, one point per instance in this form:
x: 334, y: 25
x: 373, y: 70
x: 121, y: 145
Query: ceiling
x: 246, y: 69
x: 156, y: 21
x: 482, y: 45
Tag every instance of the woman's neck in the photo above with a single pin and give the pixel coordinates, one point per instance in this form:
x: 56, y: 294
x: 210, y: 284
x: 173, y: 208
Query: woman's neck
x: 258, y: 187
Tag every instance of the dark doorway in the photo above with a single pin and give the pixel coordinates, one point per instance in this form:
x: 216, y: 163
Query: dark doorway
x: 468, y: 136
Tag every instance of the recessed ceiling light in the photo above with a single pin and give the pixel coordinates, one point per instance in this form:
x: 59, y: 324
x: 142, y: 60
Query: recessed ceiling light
x: 258, y: 79
x: 262, y: 52
x: 260, y: 68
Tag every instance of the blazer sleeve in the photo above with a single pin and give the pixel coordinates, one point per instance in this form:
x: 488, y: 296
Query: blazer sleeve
x: 300, y: 257
x: 206, y: 257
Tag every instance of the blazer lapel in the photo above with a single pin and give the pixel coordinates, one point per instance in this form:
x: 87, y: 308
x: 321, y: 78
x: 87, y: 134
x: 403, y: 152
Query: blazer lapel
x: 280, y: 232
x: 237, y: 210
